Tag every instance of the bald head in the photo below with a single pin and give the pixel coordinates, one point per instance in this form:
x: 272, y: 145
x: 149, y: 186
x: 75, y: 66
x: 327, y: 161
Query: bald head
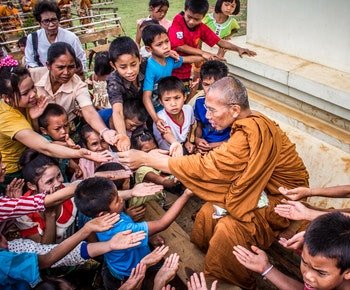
x: 231, y: 91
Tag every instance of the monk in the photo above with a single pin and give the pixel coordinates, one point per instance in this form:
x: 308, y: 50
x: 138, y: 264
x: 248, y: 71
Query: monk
x: 10, y: 16
x: 241, y: 176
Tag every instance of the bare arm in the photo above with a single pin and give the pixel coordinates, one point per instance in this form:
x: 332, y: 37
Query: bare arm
x: 229, y: 45
x: 164, y: 222
x: 196, y: 52
x: 60, y: 196
x: 192, y: 58
x: 147, y: 101
x: 118, y: 118
x: 301, y: 192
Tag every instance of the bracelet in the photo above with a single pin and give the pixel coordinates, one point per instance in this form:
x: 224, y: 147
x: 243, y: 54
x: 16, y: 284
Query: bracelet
x: 266, y: 272
x: 102, y: 131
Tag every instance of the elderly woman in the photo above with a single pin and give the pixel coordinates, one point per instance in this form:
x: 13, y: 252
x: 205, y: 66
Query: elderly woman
x: 241, y: 176
x: 18, y: 105
x: 59, y: 83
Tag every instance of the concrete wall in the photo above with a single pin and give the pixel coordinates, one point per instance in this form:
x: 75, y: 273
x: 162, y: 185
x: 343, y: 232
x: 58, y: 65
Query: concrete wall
x: 315, y: 30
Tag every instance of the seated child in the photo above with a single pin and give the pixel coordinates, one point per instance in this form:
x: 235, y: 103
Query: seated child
x: 42, y: 174
x: 159, y: 65
x: 325, y: 260
x: 125, y: 82
x: 97, y: 81
x: 206, y: 137
x: 120, y: 263
x: 177, y: 116
x: 158, y: 10
x: 54, y: 126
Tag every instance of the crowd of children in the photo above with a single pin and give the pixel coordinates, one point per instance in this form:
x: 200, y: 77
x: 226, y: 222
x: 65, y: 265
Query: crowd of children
x: 139, y: 98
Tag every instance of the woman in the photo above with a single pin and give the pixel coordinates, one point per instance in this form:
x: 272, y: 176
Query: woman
x: 59, y: 83
x: 18, y: 105
x: 241, y: 176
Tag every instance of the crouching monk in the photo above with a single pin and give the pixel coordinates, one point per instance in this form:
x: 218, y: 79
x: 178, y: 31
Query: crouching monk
x: 241, y: 176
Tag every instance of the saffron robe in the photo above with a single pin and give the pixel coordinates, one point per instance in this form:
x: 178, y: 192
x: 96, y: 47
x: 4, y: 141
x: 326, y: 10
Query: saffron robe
x: 258, y: 157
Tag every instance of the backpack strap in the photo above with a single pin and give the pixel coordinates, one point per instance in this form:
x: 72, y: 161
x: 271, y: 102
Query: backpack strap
x: 35, y: 48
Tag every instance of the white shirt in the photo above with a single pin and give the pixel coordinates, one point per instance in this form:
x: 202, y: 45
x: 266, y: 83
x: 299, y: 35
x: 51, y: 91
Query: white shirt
x: 180, y: 132
x: 63, y: 35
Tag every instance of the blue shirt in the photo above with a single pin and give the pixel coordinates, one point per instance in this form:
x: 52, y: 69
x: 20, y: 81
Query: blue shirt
x: 121, y: 262
x: 209, y: 134
x: 18, y: 271
x: 155, y: 72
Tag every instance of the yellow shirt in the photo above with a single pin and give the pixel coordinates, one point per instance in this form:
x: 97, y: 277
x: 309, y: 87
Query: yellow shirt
x: 11, y: 122
x: 71, y: 95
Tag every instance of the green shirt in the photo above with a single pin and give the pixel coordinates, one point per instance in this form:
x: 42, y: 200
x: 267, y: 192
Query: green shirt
x: 224, y: 29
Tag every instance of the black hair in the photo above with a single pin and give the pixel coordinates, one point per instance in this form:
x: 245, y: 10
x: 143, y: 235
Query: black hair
x: 34, y: 165
x: 101, y: 63
x: 10, y: 77
x: 22, y: 41
x: 85, y: 129
x: 219, y: 3
x: 135, y: 108
x: 150, y: 32
x: 197, y: 6
x: 147, y: 22
x: 51, y: 283
x: 329, y: 236
x: 94, y: 195
x: 170, y: 84
x: 213, y: 69
x: 51, y: 110
x: 113, y: 166
x: 157, y: 3
x: 46, y: 6
x: 122, y: 45
x: 60, y: 48
x: 140, y: 135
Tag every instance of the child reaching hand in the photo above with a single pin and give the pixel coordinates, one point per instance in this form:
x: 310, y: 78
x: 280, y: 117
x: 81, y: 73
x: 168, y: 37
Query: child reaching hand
x: 178, y: 117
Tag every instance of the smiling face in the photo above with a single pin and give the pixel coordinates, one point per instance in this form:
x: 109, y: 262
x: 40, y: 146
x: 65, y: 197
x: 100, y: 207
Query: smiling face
x: 160, y: 46
x: 127, y: 66
x: 62, y: 69
x: 172, y: 101
x: 57, y: 127
x: 27, y: 93
x: 49, y: 181
x: 321, y: 273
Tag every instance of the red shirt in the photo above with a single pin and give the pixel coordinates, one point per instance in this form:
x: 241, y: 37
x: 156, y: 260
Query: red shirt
x: 179, y: 34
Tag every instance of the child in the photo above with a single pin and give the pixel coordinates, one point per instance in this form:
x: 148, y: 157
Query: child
x: 221, y: 21
x: 187, y: 31
x: 22, y: 42
x: 206, y: 137
x: 158, y: 10
x: 98, y: 82
x: 160, y: 65
x: 120, y: 263
x: 325, y: 260
x: 125, y: 82
x: 42, y: 174
x: 143, y: 51
x: 178, y: 117
x: 54, y: 126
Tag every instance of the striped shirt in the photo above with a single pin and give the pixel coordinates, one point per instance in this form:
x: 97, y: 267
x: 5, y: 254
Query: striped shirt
x: 16, y: 207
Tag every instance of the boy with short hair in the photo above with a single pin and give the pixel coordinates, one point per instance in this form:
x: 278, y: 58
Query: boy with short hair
x: 54, y: 125
x: 325, y: 259
x: 178, y: 117
x: 159, y: 65
x: 206, y: 137
x: 187, y: 31
x: 120, y: 263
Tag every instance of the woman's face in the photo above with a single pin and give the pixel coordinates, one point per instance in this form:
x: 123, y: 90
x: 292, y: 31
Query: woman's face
x: 50, y: 180
x: 27, y: 93
x: 95, y: 143
x: 62, y: 69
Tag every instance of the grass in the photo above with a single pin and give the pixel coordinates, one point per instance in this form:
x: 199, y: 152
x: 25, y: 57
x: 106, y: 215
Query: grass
x: 132, y: 10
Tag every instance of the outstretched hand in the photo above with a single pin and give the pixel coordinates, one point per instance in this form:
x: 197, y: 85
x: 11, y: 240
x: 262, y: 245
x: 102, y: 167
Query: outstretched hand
x: 255, y: 260
x: 15, y: 188
x: 246, y: 51
x: 155, y: 256
x: 103, y: 156
x: 199, y: 283
x: 135, y: 279
x: 293, y: 210
x: 126, y: 240
x: 102, y: 223
x: 294, y: 243
x: 167, y: 272
x: 37, y: 110
x: 295, y: 193
x: 145, y: 189
x: 176, y: 149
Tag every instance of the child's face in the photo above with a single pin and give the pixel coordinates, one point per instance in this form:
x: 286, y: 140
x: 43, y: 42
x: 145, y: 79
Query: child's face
x: 160, y: 46
x: 50, y: 180
x: 206, y: 83
x: 147, y: 146
x: 321, y: 273
x: 172, y: 101
x: 2, y: 170
x: 22, y: 48
x: 132, y: 124
x: 192, y: 19
x: 57, y: 127
x: 127, y: 66
x: 95, y: 143
x: 116, y: 205
x: 227, y: 8
x: 159, y: 12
